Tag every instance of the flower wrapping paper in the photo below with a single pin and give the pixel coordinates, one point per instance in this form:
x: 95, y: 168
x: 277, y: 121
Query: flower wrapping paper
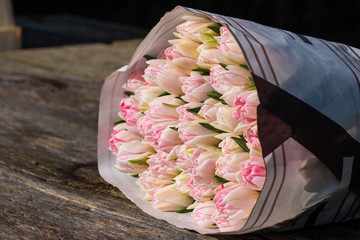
x: 308, y: 124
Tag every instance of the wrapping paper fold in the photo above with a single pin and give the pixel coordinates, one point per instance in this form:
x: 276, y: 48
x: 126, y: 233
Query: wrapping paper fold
x: 308, y: 123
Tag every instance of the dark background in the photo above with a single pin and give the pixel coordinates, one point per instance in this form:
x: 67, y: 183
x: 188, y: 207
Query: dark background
x: 69, y: 22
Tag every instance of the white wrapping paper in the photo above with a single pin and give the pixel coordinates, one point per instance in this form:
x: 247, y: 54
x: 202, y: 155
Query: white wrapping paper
x: 299, y: 190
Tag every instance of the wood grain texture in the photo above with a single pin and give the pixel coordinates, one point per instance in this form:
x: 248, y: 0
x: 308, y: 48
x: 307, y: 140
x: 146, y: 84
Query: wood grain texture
x: 50, y: 187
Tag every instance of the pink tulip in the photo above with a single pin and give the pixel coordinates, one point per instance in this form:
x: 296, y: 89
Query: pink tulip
x: 201, y: 166
x: 161, y: 168
x: 229, y: 96
x: 186, y: 134
x: 148, y: 183
x: 165, y: 137
x: 224, y: 80
x: 123, y: 133
x: 252, y: 138
x: 183, y: 153
x: 192, y: 133
x: 209, y: 56
x: 181, y: 181
x: 163, y: 109
x: 209, y: 109
x: 169, y: 199
x: 196, y: 88
x: 132, y: 157
x: 200, y: 193
x: 157, y: 131
x: 160, y: 172
x: 135, y: 80
x: 246, y: 109
x: 185, y: 115
x: 129, y: 111
x: 165, y: 75
x: 256, y: 154
x: 195, y: 27
x: 145, y: 94
x: 228, y: 165
x: 224, y: 31
x: 229, y: 48
x: 234, y: 204
x: 228, y: 145
x: 182, y: 54
x: 202, y: 214
x: 225, y: 119
x: 161, y: 54
x: 144, y: 125
x: 252, y: 174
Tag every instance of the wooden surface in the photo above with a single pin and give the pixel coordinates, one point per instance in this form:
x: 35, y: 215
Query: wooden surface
x: 50, y: 187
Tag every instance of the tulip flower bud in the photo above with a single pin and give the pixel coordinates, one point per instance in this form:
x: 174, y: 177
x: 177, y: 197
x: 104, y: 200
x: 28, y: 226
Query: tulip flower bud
x: 169, y: 199
x: 123, y: 133
x: 202, y: 214
x: 132, y: 157
x: 196, y: 88
x: 234, y: 204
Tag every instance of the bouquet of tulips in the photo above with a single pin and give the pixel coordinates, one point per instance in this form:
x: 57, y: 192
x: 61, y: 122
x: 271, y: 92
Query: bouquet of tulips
x: 185, y: 141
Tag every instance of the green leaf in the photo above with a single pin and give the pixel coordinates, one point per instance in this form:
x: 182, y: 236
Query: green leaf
x: 128, y: 93
x: 216, y: 98
x: 139, y: 161
x: 208, y: 35
x: 216, y: 95
x: 163, y: 94
x: 214, y: 28
x: 244, y: 66
x: 148, y: 57
x: 214, y: 224
x: 135, y: 175
x: 241, y: 142
x: 223, y: 65
x: 220, y: 179
x: 204, y: 71
x: 174, y: 128
x: 212, y: 43
x: 118, y: 122
x: 194, y: 110
x: 242, y: 137
x: 210, y: 95
x: 251, y: 79
x: 170, y: 105
x: 179, y: 97
x: 209, y: 127
x: 189, y: 151
x: 185, y: 210
x: 251, y: 88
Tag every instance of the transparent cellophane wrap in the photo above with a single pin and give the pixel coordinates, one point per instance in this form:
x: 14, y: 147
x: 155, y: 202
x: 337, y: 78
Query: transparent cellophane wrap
x: 300, y: 190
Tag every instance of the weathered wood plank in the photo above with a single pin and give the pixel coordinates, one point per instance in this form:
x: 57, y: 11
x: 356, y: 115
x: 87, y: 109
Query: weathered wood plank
x: 71, y: 209
x: 50, y: 186
x: 92, y: 62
